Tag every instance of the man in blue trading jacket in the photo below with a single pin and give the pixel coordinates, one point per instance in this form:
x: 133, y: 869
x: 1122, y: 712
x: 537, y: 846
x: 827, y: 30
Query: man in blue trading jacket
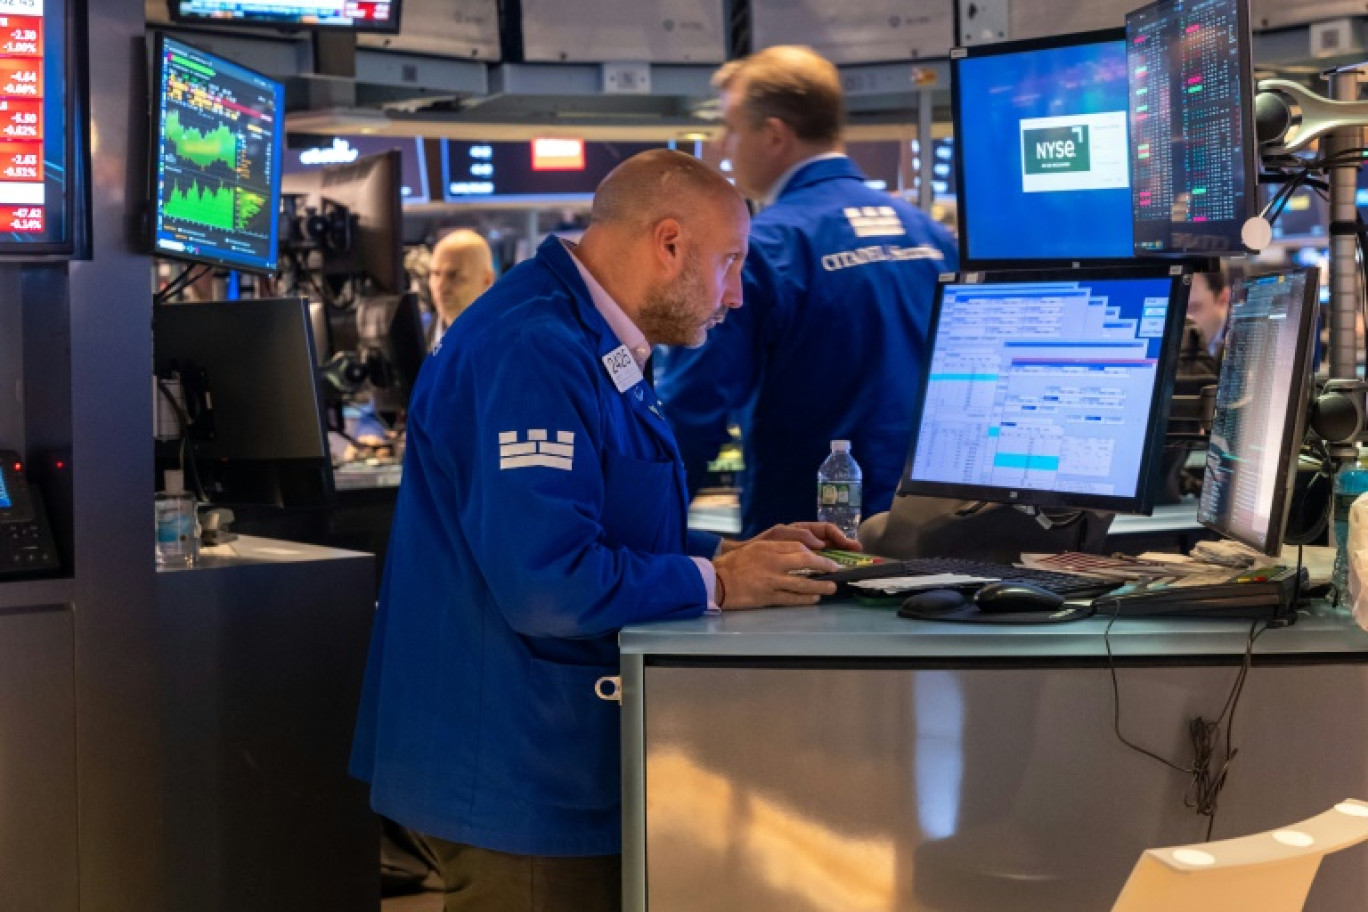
x: 838, y: 289
x: 543, y: 509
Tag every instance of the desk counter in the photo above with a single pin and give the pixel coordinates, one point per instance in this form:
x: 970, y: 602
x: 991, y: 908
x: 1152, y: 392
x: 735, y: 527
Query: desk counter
x: 840, y: 758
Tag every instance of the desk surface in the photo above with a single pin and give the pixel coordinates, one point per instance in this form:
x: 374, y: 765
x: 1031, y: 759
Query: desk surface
x: 843, y: 629
x: 248, y: 550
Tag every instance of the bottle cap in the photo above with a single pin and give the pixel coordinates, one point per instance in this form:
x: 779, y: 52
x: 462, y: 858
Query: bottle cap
x: 840, y: 446
x: 173, y: 481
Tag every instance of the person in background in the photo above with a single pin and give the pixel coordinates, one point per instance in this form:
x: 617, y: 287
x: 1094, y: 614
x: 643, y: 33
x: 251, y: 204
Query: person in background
x: 1209, y: 307
x: 461, y: 269
x: 838, y: 290
x: 543, y: 509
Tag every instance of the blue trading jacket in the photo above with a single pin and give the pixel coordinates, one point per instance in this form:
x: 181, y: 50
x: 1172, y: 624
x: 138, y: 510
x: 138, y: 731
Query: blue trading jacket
x: 829, y: 344
x: 541, y: 510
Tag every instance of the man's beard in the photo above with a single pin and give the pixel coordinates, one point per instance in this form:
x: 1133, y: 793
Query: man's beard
x: 668, y: 315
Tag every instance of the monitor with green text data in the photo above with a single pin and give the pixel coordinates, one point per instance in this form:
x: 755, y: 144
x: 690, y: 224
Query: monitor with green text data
x: 216, y: 159
x: 1261, y: 404
x: 1193, y: 169
x: 1048, y: 388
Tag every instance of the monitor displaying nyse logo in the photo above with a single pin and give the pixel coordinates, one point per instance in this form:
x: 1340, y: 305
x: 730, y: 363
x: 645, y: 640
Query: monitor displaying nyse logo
x: 1054, y: 149
x: 1074, y: 152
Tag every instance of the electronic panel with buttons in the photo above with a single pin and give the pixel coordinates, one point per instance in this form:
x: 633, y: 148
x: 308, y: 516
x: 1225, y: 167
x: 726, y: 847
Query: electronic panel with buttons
x: 26, y: 545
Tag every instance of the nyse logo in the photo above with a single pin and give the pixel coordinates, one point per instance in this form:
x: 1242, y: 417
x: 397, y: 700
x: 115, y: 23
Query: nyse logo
x: 1051, y: 150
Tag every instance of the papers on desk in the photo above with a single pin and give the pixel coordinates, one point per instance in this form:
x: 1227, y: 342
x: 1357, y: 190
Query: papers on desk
x: 1097, y: 566
x: 893, y: 585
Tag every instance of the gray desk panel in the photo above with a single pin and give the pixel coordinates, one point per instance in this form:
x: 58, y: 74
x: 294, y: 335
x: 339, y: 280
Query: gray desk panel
x: 846, y: 630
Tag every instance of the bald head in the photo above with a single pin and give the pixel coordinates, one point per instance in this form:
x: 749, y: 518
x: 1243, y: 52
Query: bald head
x: 462, y: 268
x: 666, y: 239
x: 657, y: 185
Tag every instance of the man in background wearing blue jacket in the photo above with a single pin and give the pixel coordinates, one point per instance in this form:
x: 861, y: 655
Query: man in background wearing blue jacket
x: 542, y: 509
x: 838, y: 288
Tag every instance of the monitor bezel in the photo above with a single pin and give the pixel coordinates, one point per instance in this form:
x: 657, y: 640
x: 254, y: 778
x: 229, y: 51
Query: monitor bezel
x: 269, y: 267
x: 1294, y: 425
x: 1253, y: 203
x: 178, y: 15
x: 957, y: 58
x: 1142, y: 500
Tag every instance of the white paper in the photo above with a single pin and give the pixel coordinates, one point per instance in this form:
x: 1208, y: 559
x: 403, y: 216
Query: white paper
x: 909, y: 583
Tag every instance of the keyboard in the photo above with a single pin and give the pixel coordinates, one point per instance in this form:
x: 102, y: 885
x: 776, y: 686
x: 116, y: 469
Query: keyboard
x: 1069, y: 585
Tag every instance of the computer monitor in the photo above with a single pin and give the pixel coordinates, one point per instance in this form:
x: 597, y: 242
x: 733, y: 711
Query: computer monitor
x: 1048, y: 388
x: 1261, y: 405
x: 351, y: 15
x: 216, y: 159
x: 1193, y: 169
x: 545, y: 171
x: 1042, y: 166
x: 392, y: 345
x: 311, y: 153
x: 44, y: 152
x: 368, y: 189
x: 257, y: 434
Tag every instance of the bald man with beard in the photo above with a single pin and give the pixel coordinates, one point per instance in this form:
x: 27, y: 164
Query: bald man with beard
x: 542, y: 510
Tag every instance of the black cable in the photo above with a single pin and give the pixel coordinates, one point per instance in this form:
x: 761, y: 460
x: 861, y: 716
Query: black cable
x: 191, y: 275
x: 1205, y: 787
x: 183, y: 419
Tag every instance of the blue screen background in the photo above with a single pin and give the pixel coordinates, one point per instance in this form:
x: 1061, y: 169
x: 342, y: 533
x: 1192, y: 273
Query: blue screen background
x: 997, y: 92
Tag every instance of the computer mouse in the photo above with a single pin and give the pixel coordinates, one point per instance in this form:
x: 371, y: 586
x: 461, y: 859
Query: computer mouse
x: 1010, y: 596
x: 931, y: 601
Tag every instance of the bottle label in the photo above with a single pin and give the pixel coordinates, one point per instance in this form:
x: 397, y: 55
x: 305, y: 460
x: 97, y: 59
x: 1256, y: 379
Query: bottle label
x: 838, y: 493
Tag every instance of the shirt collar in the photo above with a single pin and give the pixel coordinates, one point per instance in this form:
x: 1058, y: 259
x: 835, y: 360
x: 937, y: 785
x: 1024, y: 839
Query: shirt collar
x: 622, y: 326
x: 787, y: 176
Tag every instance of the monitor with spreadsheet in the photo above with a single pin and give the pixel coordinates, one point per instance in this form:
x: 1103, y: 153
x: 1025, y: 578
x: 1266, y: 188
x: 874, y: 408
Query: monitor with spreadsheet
x: 1261, y: 405
x: 1048, y: 388
x: 1042, y: 168
x: 1193, y: 170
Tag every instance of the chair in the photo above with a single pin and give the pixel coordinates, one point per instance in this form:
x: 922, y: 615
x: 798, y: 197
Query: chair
x: 1265, y: 872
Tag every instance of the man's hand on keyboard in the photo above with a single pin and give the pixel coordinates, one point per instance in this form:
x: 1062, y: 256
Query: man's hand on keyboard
x: 815, y: 536
x: 762, y: 573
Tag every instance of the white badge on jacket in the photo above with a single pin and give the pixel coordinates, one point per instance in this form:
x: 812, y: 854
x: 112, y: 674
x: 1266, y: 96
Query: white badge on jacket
x: 622, y: 367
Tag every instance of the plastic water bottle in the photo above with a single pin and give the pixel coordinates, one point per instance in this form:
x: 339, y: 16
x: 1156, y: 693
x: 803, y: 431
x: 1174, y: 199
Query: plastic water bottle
x: 838, y: 489
x: 1350, y: 483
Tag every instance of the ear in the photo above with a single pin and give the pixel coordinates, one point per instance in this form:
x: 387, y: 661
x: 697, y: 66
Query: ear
x: 668, y: 240
x: 779, y: 137
x: 488, y: 278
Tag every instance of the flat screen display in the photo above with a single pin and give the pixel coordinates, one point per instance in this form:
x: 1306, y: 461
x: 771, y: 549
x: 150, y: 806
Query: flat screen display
x: 1043, y: 171
x: 217, y: 148
x: 1261, y: 403
x: 36, y: 129
x: 1048, y: 388
x: 343, y: 150
x: 357, y: 15
x: 544, y: 169
x: 1191, y: 119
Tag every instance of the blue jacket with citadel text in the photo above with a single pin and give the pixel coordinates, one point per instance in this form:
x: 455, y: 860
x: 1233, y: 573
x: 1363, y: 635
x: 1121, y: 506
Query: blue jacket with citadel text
x: 829, y: 344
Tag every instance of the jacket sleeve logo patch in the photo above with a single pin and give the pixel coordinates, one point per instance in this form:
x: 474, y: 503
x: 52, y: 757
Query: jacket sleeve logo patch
x: 538, y: 450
